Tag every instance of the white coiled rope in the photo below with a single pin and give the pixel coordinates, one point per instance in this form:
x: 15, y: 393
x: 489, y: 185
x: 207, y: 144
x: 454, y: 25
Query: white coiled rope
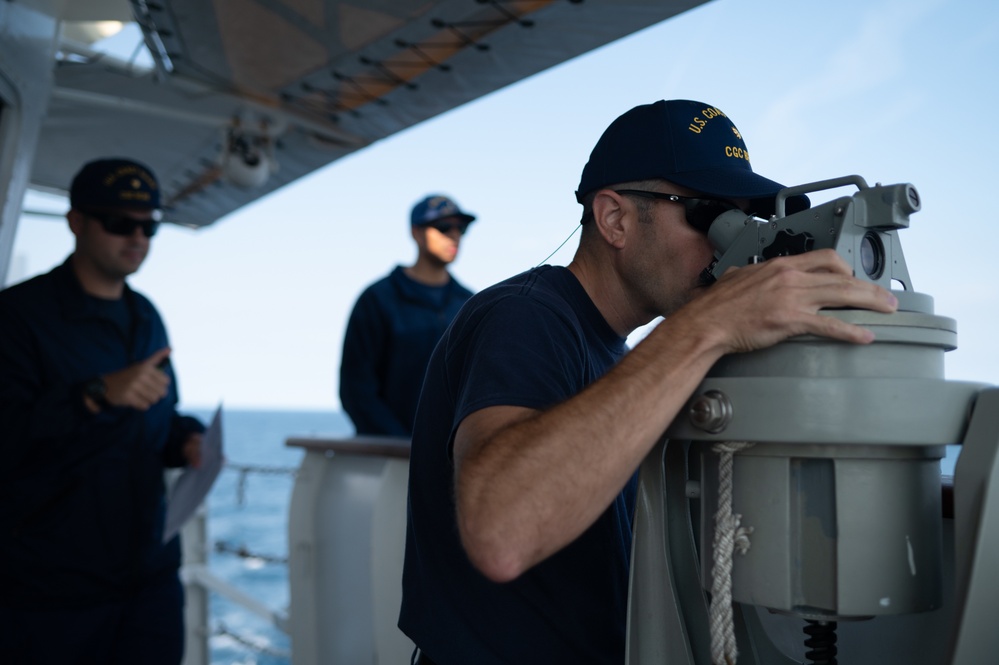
x: 729, y: 536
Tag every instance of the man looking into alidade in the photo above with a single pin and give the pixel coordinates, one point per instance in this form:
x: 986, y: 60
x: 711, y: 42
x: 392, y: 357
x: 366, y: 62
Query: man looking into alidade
x: 533, y: 420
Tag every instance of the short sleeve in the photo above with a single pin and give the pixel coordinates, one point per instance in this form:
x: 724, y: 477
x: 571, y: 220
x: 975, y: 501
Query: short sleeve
x: 521, y: 352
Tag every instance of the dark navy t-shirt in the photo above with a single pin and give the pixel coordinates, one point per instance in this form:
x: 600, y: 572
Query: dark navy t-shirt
x: 533, y: 341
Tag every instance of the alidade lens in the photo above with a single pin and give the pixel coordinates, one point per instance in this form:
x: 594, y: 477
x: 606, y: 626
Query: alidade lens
x: 872, y: 255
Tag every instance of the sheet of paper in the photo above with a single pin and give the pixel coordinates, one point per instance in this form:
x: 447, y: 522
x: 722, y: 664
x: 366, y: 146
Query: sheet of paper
x: 193, y: 485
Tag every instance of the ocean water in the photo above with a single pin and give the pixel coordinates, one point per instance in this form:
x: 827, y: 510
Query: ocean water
x: 249, y: 510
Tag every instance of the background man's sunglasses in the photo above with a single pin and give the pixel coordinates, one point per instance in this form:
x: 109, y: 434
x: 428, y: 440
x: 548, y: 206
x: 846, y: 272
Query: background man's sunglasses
x: 120, y: 225
x: 447, y: 227
x: 699, y: 212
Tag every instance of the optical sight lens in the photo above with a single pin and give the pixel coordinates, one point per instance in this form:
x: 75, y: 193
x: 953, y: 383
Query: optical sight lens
x: 872, y: 255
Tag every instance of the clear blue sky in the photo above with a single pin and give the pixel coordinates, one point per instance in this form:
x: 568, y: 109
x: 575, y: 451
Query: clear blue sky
x: 892, y: 90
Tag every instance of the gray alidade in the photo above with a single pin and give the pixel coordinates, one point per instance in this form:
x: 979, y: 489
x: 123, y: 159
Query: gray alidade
x: 800, y: 488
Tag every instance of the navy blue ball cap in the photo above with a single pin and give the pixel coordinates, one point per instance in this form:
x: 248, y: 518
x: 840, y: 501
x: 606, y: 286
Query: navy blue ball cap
x: 114, y: 184
x: 687, y: 143
x: 437, y: 206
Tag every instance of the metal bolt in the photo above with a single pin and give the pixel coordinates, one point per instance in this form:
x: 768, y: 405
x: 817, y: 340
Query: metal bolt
x: 711, y: 412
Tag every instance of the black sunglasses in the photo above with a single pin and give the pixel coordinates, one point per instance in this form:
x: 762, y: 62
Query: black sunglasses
x: 447, y: 227
x: 121, y: 225
x: 700, y: 213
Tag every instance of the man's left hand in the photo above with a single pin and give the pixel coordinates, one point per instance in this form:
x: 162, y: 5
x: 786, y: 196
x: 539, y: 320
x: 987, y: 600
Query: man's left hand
x: 191, y: 450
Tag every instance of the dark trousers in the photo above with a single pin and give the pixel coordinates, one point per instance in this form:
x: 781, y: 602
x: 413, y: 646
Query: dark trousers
x: 148, y: 629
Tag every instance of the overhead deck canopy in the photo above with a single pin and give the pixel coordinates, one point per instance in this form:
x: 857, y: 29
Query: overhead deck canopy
x: 249, y: 95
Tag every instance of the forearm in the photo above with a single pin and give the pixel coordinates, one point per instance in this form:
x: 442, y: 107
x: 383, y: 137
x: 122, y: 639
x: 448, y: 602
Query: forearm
x: 535, y: 485
x: 527, y: 489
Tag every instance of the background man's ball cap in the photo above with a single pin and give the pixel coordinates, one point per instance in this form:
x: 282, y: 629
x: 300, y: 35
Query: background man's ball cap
x: 115, y: 183
x: 687, y: 143
x: 437, y: 206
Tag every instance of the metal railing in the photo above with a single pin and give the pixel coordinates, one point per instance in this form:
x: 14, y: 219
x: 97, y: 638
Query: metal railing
x: 200, y: 582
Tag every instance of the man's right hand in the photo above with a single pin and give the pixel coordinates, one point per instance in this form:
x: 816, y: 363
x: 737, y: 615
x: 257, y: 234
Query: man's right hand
x: 757, y: 306
x: 141, y: 384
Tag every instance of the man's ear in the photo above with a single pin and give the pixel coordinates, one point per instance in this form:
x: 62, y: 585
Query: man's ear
x: 610, y: 211
x: 76, y: 221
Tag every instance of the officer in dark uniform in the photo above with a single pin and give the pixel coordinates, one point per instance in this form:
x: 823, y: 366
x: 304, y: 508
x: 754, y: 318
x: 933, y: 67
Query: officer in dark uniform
x: 88, y: 415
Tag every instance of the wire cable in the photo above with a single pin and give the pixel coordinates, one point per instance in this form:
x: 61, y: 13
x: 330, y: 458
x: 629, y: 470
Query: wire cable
x: 540, y: 263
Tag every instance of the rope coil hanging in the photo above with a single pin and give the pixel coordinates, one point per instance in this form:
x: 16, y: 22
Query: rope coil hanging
x: 729, y: 536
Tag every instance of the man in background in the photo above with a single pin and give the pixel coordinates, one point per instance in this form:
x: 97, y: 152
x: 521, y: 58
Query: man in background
x: 398, y: 320
x: 533, y: 420
x: 87, y: 411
